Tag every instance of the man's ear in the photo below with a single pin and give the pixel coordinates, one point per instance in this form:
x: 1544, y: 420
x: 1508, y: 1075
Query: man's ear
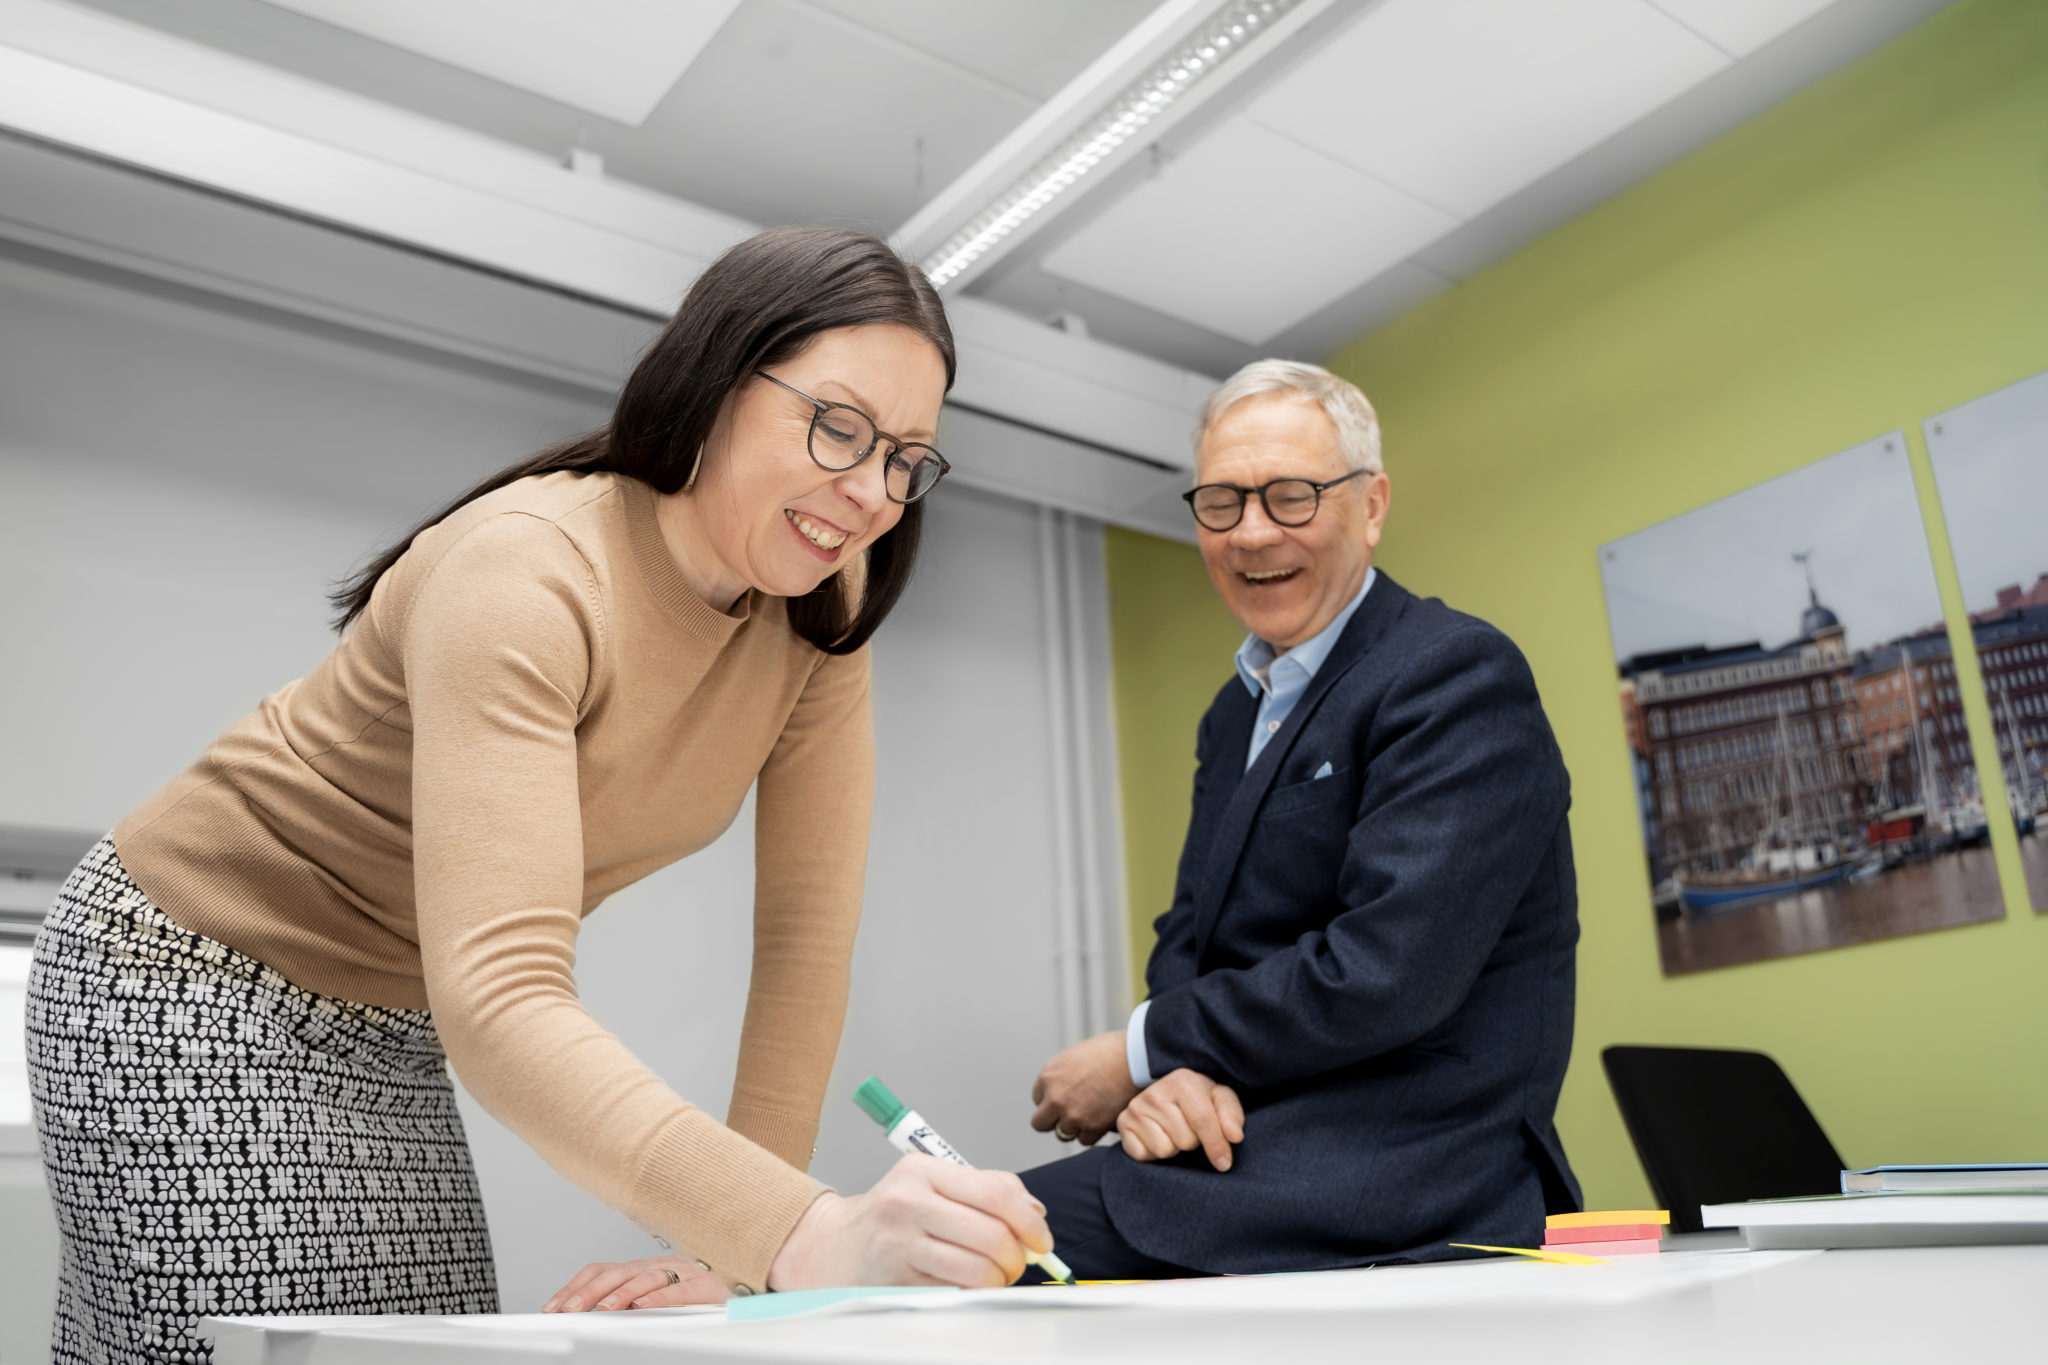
x: 1379, y: 496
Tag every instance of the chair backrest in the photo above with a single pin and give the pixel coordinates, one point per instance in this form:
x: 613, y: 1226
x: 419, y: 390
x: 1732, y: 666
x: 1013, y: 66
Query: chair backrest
x: 1714, y: 1126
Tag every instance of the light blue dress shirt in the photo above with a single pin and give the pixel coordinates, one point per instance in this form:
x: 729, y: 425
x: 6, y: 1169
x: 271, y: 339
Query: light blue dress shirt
x: 1277, y: 680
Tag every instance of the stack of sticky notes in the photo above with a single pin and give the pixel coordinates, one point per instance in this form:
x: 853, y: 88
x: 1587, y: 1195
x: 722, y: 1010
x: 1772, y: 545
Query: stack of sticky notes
x: 1626, y: 1232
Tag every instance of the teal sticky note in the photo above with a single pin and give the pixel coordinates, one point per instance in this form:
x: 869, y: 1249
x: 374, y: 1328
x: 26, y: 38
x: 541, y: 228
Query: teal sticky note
x: 763, y: 1307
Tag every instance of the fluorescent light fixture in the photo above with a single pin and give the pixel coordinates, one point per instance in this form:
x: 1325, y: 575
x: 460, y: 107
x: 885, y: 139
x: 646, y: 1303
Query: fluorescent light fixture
x: 613, y: 58
x: 1214, y: 43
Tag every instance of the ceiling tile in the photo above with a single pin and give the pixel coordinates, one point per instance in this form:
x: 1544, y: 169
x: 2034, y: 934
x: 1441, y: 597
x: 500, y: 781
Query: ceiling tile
x: 1245, y: 234
x: 1462, y: 102
x: 785, y: 119
x: 1740, y: 27
x: 1034, y: 48
x: 614, y: 58
x: 762, y: 125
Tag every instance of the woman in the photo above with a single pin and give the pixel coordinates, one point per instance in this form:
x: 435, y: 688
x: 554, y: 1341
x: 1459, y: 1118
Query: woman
x: 569, y: 678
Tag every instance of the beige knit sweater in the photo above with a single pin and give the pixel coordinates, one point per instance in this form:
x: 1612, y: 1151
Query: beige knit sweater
x: 535, y: 711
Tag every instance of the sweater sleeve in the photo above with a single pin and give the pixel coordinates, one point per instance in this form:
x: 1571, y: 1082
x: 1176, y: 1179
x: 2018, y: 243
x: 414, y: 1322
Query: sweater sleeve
x: 811, y: 813
x: 500, y: 641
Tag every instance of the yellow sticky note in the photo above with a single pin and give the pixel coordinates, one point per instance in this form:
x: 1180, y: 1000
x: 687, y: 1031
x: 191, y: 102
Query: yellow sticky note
x: 1555, y: 1257
x: 1607, y: 1218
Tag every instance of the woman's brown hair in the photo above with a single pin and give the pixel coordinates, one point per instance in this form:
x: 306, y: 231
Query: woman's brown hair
x: 757, y: 306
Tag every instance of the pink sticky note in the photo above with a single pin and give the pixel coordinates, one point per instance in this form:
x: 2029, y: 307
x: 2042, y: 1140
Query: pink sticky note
x: 1612, y: 1232
x: 1635, y: 1246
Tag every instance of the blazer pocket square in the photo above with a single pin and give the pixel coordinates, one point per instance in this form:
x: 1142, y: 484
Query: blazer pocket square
x: 1323, y: 771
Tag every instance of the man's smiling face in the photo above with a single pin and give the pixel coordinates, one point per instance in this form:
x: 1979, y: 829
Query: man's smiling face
x: 1286, y: 583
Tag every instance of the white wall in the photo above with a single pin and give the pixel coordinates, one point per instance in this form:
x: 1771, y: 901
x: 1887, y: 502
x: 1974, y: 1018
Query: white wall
x: 180, y: 481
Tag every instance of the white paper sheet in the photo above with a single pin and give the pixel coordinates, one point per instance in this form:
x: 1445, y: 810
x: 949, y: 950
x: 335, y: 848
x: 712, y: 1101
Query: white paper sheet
x: 1454, y: 1284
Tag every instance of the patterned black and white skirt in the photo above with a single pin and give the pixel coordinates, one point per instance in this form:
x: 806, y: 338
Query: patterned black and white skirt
x: 217, y: 1140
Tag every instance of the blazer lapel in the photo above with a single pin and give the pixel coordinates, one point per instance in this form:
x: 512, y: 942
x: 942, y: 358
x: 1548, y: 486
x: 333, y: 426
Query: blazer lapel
x: 1368, y: 624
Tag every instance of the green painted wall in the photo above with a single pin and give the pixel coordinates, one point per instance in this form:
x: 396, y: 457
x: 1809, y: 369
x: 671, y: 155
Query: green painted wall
x: 1170, y: 642
x: 1868, y: 253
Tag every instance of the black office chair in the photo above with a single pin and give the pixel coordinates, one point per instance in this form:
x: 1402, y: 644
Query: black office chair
x: 1714, y: 1127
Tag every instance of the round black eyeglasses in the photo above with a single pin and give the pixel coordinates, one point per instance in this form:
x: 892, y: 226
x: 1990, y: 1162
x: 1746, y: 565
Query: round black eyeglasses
x: 1288, y: 502
x: 841, y: 437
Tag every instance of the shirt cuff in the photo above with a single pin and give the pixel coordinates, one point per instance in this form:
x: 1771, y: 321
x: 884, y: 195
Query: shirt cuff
x: 1135, y: 1056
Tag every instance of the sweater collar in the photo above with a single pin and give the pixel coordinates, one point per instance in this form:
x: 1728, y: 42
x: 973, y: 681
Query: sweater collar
x: 658, y: 570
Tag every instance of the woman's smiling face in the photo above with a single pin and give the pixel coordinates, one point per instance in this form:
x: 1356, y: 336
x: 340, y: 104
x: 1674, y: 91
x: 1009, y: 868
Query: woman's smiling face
x: 772, y: 519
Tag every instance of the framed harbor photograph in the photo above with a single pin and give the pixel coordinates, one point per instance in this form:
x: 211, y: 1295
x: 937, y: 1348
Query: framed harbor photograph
x: 1990, y: 462
x: 1803, y: 774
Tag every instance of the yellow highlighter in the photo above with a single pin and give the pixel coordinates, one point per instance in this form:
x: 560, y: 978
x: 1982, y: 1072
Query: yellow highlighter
x: 908, y: 1132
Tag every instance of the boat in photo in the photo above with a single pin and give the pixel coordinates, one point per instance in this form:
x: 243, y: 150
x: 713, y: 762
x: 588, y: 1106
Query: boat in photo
x: 1769, y: 874
x: 2020, y: 777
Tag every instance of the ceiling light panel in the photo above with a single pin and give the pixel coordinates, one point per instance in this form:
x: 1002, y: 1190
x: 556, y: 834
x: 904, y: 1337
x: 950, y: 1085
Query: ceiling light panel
x: 1740, y: 27
x: 613, y: 58
x: 1180, y: 80
x: 1246, y: 234
x: 1463, y: 102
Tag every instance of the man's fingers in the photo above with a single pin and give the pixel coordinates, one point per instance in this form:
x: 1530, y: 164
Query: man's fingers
x: 1231, y: 1110
x: 1127, y: 1134
x: 1038, y: 1089
x: 1045, y: 1116
x: 1148, y: 1132
x: 1174, y: 1117
x: 1208, y: 1126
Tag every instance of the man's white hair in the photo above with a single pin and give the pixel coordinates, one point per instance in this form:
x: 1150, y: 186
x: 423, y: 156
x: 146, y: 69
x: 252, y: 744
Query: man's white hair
x: 1349, y: 411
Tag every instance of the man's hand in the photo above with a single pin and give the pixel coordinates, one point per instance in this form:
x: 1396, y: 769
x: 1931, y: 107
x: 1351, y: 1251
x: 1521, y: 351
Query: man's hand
x: 1179, y: 1112
x: 1081, y: 1090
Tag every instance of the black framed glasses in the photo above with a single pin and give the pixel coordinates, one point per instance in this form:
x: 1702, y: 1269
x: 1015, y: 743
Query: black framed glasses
x: 1288, y: 502
x: 841, y: 437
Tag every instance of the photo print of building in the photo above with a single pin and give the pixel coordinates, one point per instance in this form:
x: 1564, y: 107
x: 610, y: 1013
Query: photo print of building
x: 1804, y: 775
x: 1990, y: 461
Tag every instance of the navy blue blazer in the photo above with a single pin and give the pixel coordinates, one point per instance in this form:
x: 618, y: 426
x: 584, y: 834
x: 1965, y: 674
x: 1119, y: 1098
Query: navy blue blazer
x: 1379, y: 961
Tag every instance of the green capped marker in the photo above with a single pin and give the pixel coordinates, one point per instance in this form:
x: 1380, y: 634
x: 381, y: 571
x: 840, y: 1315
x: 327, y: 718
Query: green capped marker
x: 908, y: 1132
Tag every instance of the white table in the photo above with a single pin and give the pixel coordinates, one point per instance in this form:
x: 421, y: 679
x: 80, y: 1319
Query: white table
x: 1709, y: 1307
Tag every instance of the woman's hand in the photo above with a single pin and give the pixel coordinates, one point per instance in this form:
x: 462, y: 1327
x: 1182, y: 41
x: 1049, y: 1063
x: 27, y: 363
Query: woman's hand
x: 607, y: 1286
x: 926, y: 1222
x: 1179, y: 1112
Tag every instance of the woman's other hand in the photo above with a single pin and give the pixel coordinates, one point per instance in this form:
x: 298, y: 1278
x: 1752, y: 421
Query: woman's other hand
x: 926, y: 1222
x: 1179, y: 1112
x: 657, y: 1282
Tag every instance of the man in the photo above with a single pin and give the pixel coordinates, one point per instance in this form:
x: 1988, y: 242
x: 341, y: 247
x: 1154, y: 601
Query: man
x: 1360, y: 1002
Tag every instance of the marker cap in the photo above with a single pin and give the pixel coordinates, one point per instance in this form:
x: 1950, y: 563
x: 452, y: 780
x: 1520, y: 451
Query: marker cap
x: 878, y: 1103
